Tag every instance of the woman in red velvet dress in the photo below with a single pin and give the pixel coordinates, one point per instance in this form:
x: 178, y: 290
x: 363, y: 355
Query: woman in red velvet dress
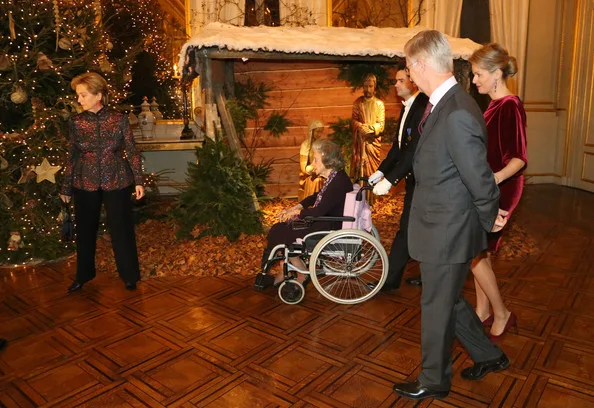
x: 506, y: 153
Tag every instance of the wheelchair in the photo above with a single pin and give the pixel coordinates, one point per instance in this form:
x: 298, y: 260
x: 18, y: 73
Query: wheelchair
x: 346, y: 266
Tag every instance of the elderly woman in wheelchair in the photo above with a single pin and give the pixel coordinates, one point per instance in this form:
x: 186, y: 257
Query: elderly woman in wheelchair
x: 310, y: 244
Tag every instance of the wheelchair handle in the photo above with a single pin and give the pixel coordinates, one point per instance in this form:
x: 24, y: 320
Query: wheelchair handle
x: 360, y: 192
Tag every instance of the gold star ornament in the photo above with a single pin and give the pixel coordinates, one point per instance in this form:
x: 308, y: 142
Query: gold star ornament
x: 46, y: 172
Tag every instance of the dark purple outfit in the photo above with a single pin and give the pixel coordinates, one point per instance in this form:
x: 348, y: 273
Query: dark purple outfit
x: 506, y: 127
x: 103, y: 167
x: 331, y: 203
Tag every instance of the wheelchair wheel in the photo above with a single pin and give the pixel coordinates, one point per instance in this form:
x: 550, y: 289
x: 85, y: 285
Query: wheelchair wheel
x: 291, y: 292
x: 344, y: 264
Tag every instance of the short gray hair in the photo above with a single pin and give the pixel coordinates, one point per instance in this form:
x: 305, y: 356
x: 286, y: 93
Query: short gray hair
x: 330, y: 152
x: 434, y: 46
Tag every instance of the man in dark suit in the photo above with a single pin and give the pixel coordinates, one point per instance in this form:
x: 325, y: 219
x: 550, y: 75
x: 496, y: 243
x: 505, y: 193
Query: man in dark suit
x: 398, y: 166
x: 455, y: 203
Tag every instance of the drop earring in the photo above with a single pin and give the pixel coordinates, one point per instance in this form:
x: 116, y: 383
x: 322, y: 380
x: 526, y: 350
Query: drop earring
x: 495, y: 86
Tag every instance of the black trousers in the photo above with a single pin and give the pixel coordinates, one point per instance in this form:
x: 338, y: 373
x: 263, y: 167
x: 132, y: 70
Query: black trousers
x: 399, y: 256
x: 445, y: 314
x: 120, y: 224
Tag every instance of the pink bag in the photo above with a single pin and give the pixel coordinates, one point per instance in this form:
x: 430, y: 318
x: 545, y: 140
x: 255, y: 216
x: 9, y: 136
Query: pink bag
x: 358, y: 209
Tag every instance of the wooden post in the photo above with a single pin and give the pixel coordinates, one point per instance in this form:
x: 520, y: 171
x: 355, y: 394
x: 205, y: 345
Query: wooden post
x: 232, y: 138
x: 230, y: 78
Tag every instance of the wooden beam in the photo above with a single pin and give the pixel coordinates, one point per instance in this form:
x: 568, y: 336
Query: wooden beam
x: 231, y: 134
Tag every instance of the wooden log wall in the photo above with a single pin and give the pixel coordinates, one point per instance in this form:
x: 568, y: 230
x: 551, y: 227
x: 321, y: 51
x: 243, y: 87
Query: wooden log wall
x: 306, y: 91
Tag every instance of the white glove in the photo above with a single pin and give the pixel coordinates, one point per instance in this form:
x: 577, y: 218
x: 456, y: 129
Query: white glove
x: 382, y: 187
x: 375, y: 177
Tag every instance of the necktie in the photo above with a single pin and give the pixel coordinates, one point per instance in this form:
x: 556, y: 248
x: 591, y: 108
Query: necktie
x: 424, y: 117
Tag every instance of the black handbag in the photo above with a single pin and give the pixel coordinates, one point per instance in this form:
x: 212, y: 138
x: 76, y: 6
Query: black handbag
x: 298, y: 224
x: 67, y: 232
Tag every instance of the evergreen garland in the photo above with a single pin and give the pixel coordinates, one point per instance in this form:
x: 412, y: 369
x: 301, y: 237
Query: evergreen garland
x: 218, y: 196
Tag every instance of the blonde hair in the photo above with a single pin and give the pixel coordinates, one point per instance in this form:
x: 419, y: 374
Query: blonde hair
x: 434, y: 46
x: 95, y: 84
x: 493, y: 57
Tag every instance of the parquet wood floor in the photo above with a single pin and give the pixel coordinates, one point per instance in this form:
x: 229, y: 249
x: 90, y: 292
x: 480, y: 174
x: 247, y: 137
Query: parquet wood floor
x: 215, y: 342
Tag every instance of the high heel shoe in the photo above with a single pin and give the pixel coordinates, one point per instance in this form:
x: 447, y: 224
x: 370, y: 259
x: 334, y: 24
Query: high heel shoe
x: 488, y: 321
x: 512, y: 321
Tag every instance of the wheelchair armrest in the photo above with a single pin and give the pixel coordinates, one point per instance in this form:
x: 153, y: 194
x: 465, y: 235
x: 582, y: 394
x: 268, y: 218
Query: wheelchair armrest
x: 311, y: 218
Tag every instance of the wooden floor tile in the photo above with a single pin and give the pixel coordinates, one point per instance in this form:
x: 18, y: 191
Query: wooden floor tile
x: 216, y: 342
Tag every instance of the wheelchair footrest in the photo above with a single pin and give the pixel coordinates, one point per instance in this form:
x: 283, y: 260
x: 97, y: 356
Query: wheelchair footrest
x: 263, y: 281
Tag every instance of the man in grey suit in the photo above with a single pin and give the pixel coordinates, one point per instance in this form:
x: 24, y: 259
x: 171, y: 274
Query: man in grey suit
x: 455, y: 204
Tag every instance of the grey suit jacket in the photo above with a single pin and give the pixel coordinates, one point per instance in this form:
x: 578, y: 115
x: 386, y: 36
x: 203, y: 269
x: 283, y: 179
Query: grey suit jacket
x: 456, y: 198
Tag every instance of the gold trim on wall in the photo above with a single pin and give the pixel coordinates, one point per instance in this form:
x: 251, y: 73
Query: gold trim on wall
x: 582, y: 178
x: 160, y: 145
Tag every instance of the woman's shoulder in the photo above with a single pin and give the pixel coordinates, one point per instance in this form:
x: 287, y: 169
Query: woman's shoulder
x: 344, y: 180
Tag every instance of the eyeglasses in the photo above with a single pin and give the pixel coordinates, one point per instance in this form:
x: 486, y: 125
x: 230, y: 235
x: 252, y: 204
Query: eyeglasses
x: 407, y: 69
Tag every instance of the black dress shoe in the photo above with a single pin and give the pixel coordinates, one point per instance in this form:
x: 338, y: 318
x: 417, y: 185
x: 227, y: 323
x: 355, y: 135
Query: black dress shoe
x: 130, y: 285
x: 76, y: 285
x: 415, y: 281
x: 479, y: 370
x: 387, y: 286
x: 3, y: 343
x: 417, y: 391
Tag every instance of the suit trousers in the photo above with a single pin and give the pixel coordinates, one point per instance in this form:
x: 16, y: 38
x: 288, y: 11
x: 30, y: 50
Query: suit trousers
x: 446, y: 313
x: 399, y: 255
x: 120, y: 224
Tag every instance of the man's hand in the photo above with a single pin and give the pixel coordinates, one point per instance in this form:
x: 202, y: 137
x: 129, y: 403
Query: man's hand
x: 500, y: 221
x: 382, y: 187
x: 375, y: 177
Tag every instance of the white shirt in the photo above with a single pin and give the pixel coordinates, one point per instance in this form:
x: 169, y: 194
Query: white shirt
x: 407, y: 104
x: 441, y: 91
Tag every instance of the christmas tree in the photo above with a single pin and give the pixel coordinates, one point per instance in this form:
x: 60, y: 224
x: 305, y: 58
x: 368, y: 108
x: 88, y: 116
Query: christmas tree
x: 43, y: 45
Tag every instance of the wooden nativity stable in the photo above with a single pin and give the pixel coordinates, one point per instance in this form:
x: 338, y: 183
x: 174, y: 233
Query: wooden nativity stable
x: 301, y: 64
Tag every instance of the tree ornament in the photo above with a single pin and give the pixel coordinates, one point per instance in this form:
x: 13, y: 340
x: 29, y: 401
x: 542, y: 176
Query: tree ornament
x: 109, y: 46
x: 18, y: 95
x: 43, y: 62
x: 3, y: 163
x: 57, y: 21
x: 15, y: 137
x: 65, y: 114
x: 76, y: 106
x: 5, y: 63
x: 46, y: 172
x: 27, y: 173
x: 15, y: 242
x: 64, y: 43
x: 104, y: 64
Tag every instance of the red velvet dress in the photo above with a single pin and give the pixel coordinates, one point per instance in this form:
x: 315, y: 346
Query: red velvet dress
x: 506, y: 127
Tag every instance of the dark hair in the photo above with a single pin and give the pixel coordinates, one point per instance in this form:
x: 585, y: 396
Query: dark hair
x: 492, y: 57
x: 370, y: 77
x: 330, y: 152
x: 401, y: 66
x: 94, y: 82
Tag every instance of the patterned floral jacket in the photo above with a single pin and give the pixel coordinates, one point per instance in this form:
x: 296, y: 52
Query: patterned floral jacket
x: 102, y: 154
